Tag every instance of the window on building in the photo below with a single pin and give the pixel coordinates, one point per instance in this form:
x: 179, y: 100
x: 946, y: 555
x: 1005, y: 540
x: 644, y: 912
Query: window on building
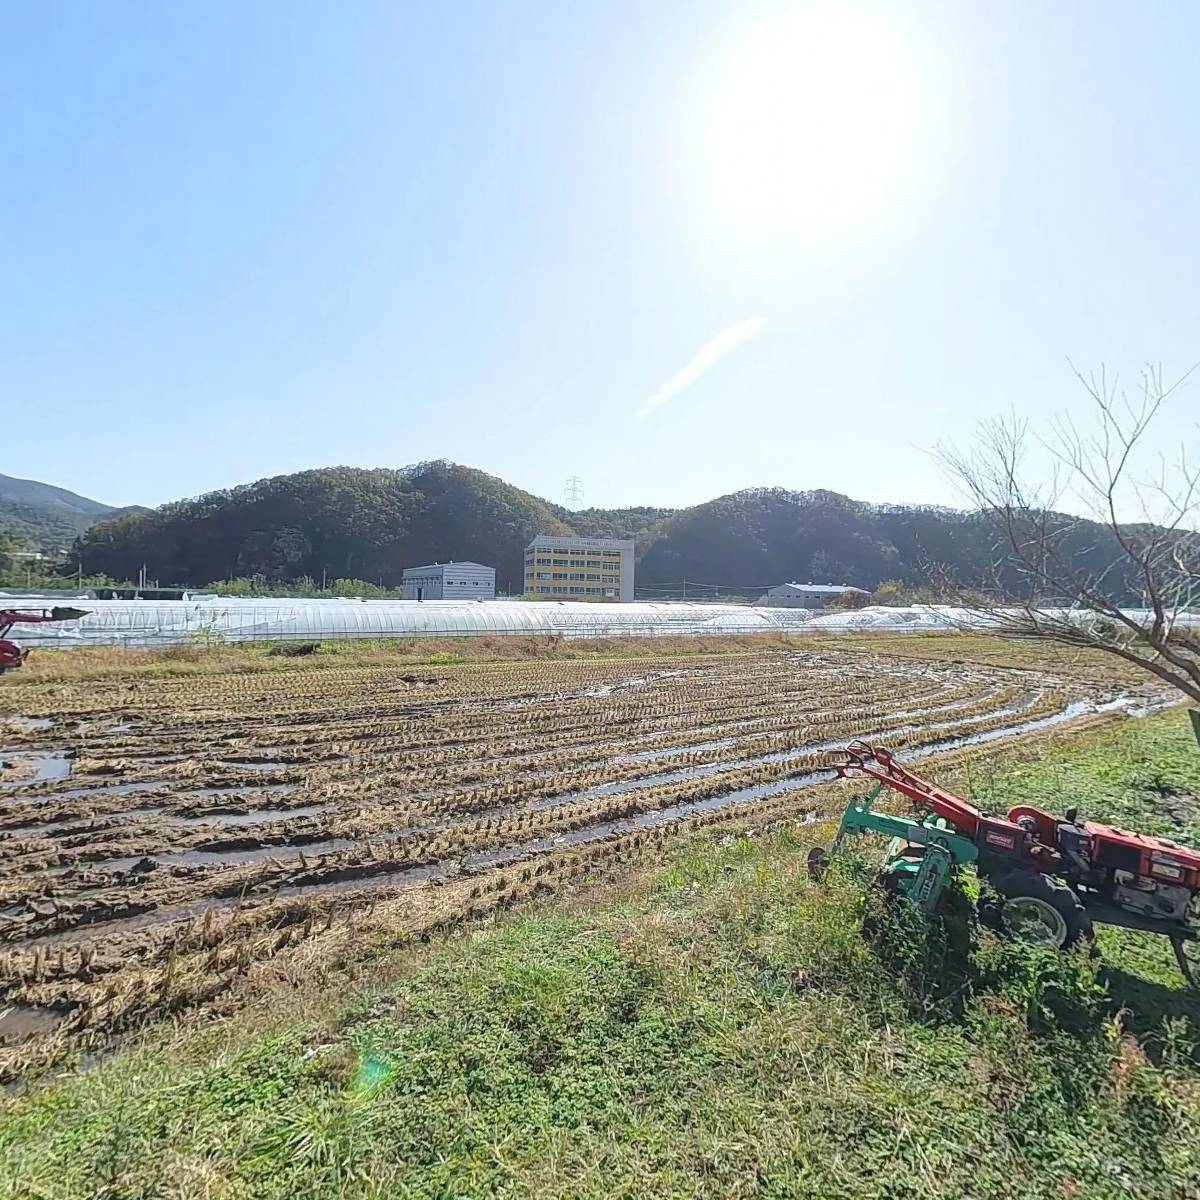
x: 596, y: 578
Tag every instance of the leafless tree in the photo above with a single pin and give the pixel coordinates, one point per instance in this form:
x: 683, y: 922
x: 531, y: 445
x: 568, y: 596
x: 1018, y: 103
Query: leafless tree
x: 1073, y: 579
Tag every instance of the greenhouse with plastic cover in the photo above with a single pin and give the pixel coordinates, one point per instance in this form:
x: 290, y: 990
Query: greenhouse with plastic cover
x: 220, y: 620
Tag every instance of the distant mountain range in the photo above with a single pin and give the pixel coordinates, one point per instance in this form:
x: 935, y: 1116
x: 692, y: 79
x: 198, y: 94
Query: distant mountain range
x: 49, y: 518
x: 354, y: 523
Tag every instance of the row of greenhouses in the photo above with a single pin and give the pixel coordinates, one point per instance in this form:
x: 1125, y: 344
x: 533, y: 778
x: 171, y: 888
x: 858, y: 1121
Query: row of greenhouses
x: 174, y: 622
x: 217, y: 620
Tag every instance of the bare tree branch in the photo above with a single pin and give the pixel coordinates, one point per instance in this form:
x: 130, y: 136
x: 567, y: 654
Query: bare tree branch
x: 1127, y: 587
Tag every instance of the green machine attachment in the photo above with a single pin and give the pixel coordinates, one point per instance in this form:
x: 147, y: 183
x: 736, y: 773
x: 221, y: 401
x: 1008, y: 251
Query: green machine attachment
x: 921, y: 857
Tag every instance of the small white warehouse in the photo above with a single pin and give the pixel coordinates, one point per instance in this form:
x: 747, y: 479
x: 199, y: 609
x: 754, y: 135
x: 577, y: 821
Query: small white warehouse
x: 806, y: 595
x: 450, y: 581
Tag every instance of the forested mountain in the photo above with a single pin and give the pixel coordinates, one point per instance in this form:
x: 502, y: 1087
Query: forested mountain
x: 370, y: 524
x: 641, y: 524
x: 46, y: 517
x: 346, y: 522
x: 752, y: 539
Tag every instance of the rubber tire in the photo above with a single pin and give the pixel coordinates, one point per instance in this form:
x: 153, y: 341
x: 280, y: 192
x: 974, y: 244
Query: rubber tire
x: 1189, y: 963
x: 1060, y: 896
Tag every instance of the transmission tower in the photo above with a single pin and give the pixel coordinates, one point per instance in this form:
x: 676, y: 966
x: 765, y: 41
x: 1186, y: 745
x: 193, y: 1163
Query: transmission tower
x: 574, y: 491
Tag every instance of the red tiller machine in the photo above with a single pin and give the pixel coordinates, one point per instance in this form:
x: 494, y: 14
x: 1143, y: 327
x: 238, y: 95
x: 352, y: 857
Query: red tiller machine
x: 1057, y: 876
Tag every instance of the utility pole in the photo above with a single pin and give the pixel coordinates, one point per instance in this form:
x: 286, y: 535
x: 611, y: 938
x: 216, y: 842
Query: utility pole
x: 574, y: 491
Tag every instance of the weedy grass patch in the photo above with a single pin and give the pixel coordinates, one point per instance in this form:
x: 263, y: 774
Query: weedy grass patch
x: 214, y: 656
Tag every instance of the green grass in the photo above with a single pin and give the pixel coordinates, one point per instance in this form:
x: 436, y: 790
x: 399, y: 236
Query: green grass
x: 719, y: 1027
x: 1141, y: 774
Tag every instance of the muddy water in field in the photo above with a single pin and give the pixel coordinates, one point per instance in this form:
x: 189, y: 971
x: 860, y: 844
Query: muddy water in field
x: 29, y: 767
x: 391, y: 874
x: 31, y: 724
x: 748, y: 795
x: 97, y: 790
x: 100, y: 931
x: 235, y: 856
x: 160, y: 812
x: 721, y: 743
x: 1076, y: 708
x: 240, y: 856
x: 259, y: 816
x: 21, y: 1022
x: 741, y: 796
x: 275, y: 789
x: 622, y: 787
x: 69, y: 826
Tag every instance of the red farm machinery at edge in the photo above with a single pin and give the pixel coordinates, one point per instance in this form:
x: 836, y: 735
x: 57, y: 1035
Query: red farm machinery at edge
x: 11, y: 654
x: 1056, y: 876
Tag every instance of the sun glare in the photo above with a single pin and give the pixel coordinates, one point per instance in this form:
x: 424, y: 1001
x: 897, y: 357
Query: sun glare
x: 812, y: 121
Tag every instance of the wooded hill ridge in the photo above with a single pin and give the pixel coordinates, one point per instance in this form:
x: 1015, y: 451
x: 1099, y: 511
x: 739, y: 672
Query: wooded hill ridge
x: 370, y: 524
x: 43, y: 517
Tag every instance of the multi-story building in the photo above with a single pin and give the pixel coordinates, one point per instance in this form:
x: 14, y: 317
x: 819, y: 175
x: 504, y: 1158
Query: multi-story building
x: 450, y: 581
x: 575, y: 568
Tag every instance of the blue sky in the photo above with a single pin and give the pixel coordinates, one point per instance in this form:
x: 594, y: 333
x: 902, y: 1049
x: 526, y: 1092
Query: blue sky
x: 243, y: 239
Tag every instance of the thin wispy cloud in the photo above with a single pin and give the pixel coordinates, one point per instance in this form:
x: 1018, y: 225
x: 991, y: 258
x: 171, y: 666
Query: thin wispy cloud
x: 707, y: 357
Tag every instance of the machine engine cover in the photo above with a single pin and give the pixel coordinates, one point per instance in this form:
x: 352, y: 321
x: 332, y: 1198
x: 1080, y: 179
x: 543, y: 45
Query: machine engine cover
x: 1150, y: 898
x: 1145, y: 856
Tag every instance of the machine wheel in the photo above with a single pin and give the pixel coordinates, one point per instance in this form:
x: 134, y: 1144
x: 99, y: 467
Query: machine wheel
x: 1187, y: 953
x: 1041, y: 910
